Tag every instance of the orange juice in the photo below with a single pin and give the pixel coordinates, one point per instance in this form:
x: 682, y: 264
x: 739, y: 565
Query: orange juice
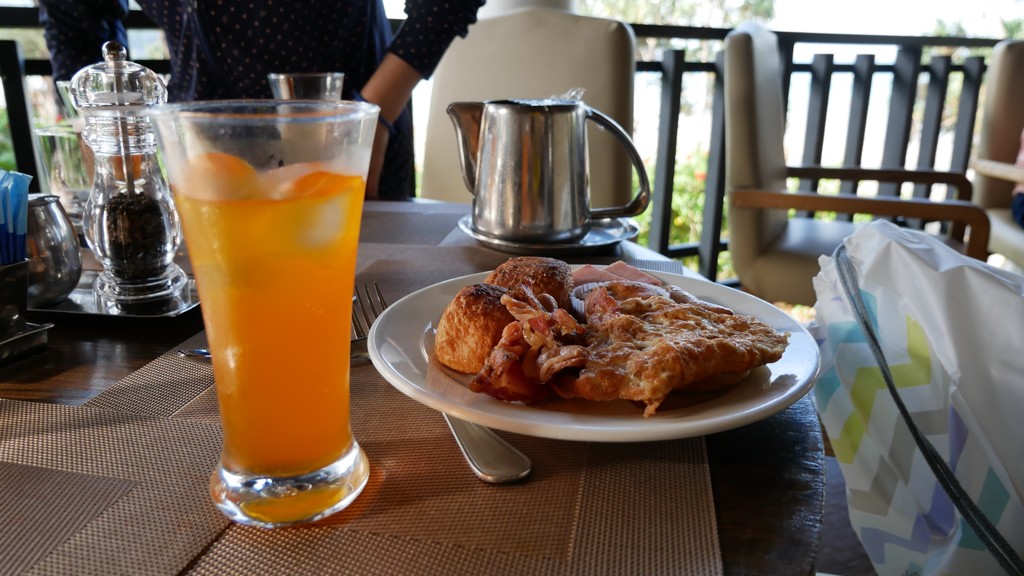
x: 270, y: 195
x: 274, y: 260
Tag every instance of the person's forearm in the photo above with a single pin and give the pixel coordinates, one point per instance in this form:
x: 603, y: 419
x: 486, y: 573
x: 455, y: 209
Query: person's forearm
x: 391, y: 86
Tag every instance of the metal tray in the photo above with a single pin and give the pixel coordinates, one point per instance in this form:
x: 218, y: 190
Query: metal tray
x: 15, y: 346
x: 83, y: 301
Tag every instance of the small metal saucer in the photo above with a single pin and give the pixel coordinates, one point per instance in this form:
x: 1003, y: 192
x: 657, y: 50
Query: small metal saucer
x: 604, y: 233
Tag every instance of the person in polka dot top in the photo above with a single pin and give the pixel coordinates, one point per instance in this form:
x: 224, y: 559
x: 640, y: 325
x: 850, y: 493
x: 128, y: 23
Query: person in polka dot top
x: 225, y: 49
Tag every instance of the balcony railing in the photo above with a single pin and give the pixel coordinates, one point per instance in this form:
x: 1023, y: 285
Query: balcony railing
x: 930, y: 100
x: 932, y: 103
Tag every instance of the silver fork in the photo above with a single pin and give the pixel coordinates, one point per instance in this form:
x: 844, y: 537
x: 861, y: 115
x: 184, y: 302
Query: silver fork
x: 491, y: 458
x: 366, y: 306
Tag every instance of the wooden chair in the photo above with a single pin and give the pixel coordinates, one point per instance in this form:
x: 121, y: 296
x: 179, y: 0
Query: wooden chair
x: 776, y: 255
x: 535, y: 53
x: 1001, y: 138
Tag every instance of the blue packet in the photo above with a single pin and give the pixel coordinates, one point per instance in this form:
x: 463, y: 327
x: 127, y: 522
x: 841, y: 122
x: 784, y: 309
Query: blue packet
x: 13, y: 215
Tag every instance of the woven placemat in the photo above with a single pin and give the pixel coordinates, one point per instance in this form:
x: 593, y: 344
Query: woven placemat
x: 93, y: 491
x: 48, y: 501
x: 163, y: 387
x: 641, y: 508
x: 587, y: 508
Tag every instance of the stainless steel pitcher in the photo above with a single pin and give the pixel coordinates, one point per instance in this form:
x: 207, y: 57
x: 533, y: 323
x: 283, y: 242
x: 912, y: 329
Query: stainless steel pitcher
x: 54, y: 254
x: 526, y: 164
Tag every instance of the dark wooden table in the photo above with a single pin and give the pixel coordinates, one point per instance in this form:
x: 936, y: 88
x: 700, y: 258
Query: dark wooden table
x: 767, y: 477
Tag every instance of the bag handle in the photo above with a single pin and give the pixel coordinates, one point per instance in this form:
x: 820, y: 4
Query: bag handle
x: 976, y: 519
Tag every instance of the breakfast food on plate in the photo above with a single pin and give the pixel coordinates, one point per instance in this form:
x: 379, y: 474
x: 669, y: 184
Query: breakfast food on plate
x: 470, y: 326
x: 617, y: 271
x: 588, y: 274
x: 641, y: 348
x: 541, y: 275
x: 624, y: 289
x: 636, y: 339
x: 543, y: 340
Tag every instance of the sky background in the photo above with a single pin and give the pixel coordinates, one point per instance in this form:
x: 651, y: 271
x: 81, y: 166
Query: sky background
x: 894, y: 17
x: 897, y: 17
x: 914, y: 17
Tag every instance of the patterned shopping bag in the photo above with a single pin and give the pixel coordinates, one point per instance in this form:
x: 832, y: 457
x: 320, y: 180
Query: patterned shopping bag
x: 952, y: 332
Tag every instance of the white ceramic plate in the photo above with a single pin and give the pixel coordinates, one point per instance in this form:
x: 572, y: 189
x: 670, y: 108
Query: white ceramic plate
x: 401, y: 345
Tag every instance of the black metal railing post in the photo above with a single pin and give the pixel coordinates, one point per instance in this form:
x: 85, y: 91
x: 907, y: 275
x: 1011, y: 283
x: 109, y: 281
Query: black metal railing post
x: 672, y: 64
x: 12, y: 74
x: 711, y: 244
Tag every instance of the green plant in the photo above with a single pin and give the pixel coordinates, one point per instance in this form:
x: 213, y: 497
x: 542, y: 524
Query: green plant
x: 6, y: 146
x: 688, y: 209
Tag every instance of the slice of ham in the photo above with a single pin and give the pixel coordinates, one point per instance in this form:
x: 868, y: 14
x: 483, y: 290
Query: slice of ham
x: 628, y: 272
x: 612, y: 273
x: 620, y: 271
x: 586, y: 274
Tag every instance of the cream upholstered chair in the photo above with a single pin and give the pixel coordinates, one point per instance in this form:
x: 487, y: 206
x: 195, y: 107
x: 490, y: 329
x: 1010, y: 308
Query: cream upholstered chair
x: 774, y: 255
x: 535, y: 53
x: 1001, y: 138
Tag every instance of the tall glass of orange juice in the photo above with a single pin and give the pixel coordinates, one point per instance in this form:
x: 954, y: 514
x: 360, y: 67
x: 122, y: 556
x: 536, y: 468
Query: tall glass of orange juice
x: 270, y: 195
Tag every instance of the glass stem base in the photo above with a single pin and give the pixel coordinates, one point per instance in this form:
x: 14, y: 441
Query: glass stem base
x: 272, y: 502
x: 118, y: 290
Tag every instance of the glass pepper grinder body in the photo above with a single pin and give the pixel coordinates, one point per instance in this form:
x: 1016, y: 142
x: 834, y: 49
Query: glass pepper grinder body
x: 130, y: 222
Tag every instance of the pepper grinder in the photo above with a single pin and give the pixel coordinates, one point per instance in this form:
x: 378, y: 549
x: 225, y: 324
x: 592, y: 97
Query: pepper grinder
x: 130, y: 221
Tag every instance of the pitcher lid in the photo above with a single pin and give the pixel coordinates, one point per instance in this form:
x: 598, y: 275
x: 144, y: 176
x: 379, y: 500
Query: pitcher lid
x: 537, y: 102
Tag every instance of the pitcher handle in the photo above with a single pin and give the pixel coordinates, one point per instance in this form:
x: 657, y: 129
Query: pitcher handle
x: 642, y: 197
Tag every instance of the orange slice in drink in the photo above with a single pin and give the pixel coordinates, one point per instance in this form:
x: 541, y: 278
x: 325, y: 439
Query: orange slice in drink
x: 325, y: 183
x: 309, y: 180
x: 219, y: 176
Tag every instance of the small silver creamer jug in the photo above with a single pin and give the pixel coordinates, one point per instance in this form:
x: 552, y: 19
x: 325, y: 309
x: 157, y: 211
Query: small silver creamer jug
x: 526, y: 164
x: 54, y: 254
